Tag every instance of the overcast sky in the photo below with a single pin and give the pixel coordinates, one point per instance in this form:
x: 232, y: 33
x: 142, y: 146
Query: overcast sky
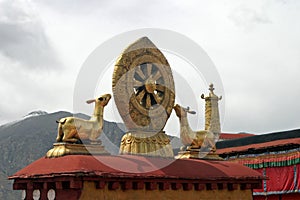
x: 255, y: 46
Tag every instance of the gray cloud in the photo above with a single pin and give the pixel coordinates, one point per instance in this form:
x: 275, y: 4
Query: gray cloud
x: 254, y: 44
x: 27, y: 60
x: 23, y: 39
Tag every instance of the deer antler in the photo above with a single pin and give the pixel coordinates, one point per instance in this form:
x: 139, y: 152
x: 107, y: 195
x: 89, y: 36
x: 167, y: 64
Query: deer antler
x: 189, y: 111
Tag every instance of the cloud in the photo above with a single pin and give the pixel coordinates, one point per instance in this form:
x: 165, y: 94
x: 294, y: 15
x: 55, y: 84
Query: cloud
x: 248, y: 18
x: 22, y: 37
x: 71, y: 7
x: 122, y: 14
x: 29, y: 66
x: 23, y: 90
x: 254, y: 44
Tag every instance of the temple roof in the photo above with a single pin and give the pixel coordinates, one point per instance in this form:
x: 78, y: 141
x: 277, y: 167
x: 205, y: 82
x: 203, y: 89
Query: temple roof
x: 260, y: 143
x: 130, y: 166
x: 228, y: 136
x: 260, y: 146
x: 256, y: 139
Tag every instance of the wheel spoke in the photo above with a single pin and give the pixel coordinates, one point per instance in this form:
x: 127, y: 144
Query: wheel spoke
x: 149, y: 69
x: 156, y: 98
x: 139, y: 89
x: 148, y: 101
x: 160, y: 88
x: 149, y: 85
x: 140, y: 72
x: 160, y: 81
x: 140, y: 96
x: 157, y: 75
x: 137, y: 83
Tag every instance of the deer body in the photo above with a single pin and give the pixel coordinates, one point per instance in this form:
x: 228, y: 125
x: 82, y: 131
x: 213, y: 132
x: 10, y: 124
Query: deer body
x: 72, y: 129
x: 188, y: 137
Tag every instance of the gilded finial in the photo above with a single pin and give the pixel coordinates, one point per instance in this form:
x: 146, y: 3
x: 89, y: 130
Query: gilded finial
x: 211, y: 88
x: 212, y: 121
x: 211, y: 94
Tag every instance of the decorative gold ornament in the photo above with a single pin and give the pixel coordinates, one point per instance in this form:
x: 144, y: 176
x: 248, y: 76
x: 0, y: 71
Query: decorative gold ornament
x: 72, y: 129
x: 62, y: 149
x: 200, y: 144
x: 143, y: 87
x: 144, y: 144
x: 144, y: 93
x: 212, y: 117
x: 191, y: 139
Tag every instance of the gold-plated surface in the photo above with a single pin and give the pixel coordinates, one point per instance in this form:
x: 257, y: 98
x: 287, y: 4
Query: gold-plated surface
x: 71, y: 129
x: 143, y: 87
x: 197, y: 153
x: 190, y: 138
x: 144, y: 93
x: 200, y: 144
x: 148, y: 144
x: 62, y: 149
x: 212, y: 117
x: 197, y: 144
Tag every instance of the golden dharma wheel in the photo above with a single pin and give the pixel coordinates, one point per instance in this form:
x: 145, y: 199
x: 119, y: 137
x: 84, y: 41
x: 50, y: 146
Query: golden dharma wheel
x: 143, y: 87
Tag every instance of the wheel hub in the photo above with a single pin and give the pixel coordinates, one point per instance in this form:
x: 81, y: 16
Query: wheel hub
x: 150, y: 86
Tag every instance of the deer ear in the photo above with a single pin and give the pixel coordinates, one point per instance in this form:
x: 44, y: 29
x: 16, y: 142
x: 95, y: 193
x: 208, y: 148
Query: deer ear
x: 90, y: 101
x: 192, y: 112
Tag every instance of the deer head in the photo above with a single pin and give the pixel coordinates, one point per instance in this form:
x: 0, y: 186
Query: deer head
x: 102, y: 100
x: 182, y: 112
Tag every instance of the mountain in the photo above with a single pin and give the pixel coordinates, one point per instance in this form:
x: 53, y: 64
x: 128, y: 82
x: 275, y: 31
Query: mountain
x: 28, y: 139
x: 35, y: 113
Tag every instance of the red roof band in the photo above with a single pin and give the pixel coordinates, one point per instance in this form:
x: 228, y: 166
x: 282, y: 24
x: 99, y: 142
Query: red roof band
x: 135, y: 166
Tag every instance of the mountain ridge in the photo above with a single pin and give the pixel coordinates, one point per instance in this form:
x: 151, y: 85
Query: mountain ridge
x: 26, y: 140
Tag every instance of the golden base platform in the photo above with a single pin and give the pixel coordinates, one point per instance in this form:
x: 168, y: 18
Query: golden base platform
x: 197, y: 154
x: 62, y: 149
